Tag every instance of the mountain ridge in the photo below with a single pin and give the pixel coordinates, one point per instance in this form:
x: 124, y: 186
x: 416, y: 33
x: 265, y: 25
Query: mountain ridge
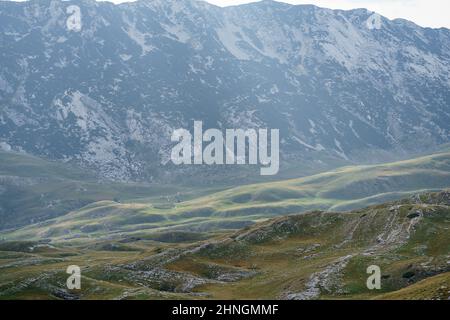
x: 343, y: 86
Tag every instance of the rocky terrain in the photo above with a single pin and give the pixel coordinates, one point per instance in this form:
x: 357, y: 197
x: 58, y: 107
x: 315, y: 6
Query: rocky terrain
x: 343, y: 86
x: 91, y: 92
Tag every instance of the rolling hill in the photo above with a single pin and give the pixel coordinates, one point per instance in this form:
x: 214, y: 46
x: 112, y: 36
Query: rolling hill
x: 34, y: 189
x: 316, y: 255
x: 339, y: 190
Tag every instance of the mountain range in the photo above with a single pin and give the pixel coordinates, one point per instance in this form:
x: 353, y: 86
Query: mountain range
x: 344, y: 87
x: 91, y: 92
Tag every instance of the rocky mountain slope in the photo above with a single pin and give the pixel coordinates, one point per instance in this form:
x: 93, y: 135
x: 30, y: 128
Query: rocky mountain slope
x: 107, y: 93
x: 317, y: 255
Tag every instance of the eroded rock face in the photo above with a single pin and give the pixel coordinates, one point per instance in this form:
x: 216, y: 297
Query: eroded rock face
x: 341, y: 85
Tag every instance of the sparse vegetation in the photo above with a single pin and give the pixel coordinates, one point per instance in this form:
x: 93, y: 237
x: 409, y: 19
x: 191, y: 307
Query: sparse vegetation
x: 316, y: 255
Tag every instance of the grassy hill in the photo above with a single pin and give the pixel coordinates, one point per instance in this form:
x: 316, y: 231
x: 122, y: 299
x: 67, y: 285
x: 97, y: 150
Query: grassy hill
x: 33, y: 190
x: 316, y: 255
x: 339, y: 190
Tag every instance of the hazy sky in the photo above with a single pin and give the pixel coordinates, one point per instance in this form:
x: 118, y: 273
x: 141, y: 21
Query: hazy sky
x: 428, y: 13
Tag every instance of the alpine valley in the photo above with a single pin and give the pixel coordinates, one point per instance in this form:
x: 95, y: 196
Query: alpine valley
x: 87, y: 111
